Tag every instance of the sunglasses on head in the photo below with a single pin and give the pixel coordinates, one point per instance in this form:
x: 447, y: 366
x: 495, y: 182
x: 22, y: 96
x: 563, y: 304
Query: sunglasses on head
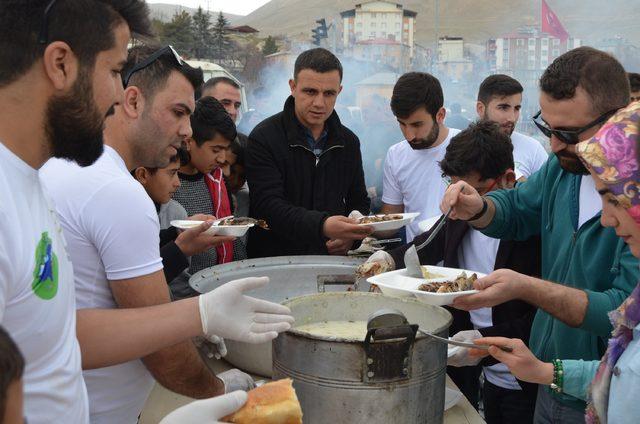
x: 149, y: 61
x: 569, y: 136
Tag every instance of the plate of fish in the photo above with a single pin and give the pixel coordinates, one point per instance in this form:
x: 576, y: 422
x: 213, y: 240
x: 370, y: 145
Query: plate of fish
x: 387, y: 222
x: 229, y: 226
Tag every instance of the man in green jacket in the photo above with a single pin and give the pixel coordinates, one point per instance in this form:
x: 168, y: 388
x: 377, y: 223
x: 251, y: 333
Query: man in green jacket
x: 591, y: 268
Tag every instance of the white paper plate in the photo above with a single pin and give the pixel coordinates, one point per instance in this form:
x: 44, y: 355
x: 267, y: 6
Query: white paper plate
x: 396, y: 224
x: 426, y: 225
x: 451, y: 398
x: 399, y: 284
x: 216, y: 230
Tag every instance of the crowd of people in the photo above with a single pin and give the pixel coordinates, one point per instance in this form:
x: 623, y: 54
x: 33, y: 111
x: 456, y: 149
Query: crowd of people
x: 103, y: 146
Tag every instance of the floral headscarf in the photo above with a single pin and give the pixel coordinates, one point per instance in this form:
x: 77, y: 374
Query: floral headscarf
x: 612, y: 154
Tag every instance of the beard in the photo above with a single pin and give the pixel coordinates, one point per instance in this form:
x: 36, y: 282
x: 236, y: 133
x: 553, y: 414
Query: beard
x: 74, y: 125
x: 571, y: 163
x: 507, y: 127
x: 427, y: 141
x: 149, y: 146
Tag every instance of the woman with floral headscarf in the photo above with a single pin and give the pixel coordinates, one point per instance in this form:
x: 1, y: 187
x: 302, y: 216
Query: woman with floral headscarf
x: 611, y: 385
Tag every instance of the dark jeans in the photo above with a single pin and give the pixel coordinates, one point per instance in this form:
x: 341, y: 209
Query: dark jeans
x: 468, y: 381
x: 505, y: 406
x: 550, y: 411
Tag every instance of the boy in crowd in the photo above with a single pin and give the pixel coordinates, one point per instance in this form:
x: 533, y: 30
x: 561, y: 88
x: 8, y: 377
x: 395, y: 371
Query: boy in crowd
x: 160, y: 184
x: 482, y: 155
x: 202, y: 188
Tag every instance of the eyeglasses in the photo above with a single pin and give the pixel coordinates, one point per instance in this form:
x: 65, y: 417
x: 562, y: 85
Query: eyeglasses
x: 569, y: 136
x: 43, y: 37
x: 149, y: 61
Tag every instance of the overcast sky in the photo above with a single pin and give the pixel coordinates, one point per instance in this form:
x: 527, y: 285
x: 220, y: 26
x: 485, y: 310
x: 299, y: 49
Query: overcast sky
x: 237, y: 7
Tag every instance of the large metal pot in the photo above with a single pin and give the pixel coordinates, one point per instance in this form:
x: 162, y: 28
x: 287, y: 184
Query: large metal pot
x: 398, y: 380
x: 290, y: 276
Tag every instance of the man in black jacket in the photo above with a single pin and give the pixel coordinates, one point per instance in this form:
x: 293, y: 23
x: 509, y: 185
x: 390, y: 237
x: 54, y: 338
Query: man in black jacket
x: 304, y: 169
x: 482, y: 156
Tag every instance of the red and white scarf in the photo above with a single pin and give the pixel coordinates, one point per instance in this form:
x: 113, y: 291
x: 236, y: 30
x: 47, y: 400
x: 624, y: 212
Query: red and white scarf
x: 221, y: 208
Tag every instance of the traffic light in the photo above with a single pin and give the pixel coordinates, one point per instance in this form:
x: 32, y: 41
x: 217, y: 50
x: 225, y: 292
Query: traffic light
x: 319, y: 32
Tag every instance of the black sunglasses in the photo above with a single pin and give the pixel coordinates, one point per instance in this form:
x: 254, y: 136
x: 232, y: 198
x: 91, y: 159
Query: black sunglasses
x: 569, y: 136
x: 43, y: 36
x: 148, y: 61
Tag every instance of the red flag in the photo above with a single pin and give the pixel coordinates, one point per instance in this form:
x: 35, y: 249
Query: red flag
x: 551, y: 24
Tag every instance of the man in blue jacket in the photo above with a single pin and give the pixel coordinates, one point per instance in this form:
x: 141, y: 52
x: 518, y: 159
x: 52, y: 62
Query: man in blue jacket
x: 591, y: 268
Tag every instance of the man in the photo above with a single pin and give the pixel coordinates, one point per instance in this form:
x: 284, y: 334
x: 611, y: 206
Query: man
x: 412, y: 179
x: 500, y: 101
x: 634, y: 82
x: 226, y: 91
x: 304, y: 168
x: 481, y: 155
x: 455, y: 119
x: 112, y: 231
x: 579, y: 91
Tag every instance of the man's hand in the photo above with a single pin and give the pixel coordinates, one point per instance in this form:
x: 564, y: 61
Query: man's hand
x: 234, y: 379
x: 498, y: 287
x: 521, y: 362
x: 341, y: 227
x: 461, y: 356
x: 339, y: 247
x: 229, y: 313
x: 207, y: 411
x: 194, y: 240
x: 201, y: 217
x: 463, y: 200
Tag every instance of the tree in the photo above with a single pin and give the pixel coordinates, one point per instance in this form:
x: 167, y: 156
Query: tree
x: 220, y: 42
x: 179, y: 33
x: 202, y: 34
x: 270, y: 46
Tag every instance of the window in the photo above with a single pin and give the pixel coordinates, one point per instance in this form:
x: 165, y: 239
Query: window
x: 532, y: 41
x: 383, y: 34
x: 556, y: 53
x: 359, y: 24
x: 397, y: 25
x: 545, y: 41
x: 556, y: 42
x: 372, y: 35
x: 383, y: 25
x: 374, y: 15
x: 373, y: 24
x: 519, y: 42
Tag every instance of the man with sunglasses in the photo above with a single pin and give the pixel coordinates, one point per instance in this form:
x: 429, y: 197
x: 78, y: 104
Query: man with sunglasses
x: 112, y: 232
x: 587, y: 270
x: 482, y: 156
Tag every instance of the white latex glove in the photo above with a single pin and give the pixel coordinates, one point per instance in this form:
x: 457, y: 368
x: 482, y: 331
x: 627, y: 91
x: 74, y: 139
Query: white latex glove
x: 227, y: 312
x: 355, y: 215
x: 460, y: 355
x: 207, y: 411
x: 384, y: 259
x: 212, y: 346
x: 234, y: 379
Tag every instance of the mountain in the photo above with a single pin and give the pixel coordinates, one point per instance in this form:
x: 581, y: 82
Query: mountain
x: 165, y: 12
x: 475, y: 20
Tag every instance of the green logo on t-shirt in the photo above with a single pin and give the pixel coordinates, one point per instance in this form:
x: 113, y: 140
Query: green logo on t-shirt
x: 45, y: 273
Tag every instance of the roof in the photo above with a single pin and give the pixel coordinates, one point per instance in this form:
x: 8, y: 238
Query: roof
x: 379, y: 41
x: 382, y: 78
x: 244, y: 29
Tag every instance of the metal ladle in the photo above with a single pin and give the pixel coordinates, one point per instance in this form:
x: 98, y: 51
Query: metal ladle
x: 392, y: 317
x: 411, y: 259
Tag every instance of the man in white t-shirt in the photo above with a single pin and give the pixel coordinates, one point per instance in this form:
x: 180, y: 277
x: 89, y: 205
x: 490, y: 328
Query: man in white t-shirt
x: 112, y: 231
x: 412, y: 180
x: 500, y: 101
x: 59, y: 79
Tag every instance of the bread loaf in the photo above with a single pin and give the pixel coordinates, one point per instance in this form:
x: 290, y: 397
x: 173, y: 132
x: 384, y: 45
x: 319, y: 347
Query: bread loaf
x: 272, y: 403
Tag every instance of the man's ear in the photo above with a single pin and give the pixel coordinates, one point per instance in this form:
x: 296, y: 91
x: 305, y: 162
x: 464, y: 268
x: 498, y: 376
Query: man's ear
x: 60, y: 65
x: 141, y: 174
x: 508, y: 180
x: 292, y: 85
x: 441, y: 115
x: 480, y: 109
x: 134, y: 102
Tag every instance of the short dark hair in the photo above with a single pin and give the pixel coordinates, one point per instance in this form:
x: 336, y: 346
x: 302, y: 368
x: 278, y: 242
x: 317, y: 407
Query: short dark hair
x: 182, y: 157
x: 483, y: 148
x: 212, y: 82
x: 85, y: 25
x: 211, y: 118
x: 154, y: 77
x: 11, y: 366
x: 634, y: 81
x: 318, y: 60
x: 598, y: 73
x: 414, y: 90
x: 498, y: 85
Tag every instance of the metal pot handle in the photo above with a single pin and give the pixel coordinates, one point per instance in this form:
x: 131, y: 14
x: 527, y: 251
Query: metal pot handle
x: 339, y: 280
x: 388, y: 353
